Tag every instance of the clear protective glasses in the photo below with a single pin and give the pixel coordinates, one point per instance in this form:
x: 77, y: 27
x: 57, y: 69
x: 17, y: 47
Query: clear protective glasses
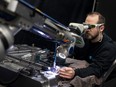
x: 90, y: 26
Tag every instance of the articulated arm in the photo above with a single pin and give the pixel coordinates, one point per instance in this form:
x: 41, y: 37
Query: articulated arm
x: 17, y: 14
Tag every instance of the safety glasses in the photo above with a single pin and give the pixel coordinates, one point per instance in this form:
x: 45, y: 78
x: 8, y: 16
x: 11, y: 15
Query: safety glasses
x: 92, y: 25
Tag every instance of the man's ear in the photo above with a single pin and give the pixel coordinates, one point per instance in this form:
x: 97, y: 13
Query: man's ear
x: 102, y: 27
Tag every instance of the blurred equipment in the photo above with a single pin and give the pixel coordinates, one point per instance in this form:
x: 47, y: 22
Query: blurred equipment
x: 27, y: 65
x: 16, y: 15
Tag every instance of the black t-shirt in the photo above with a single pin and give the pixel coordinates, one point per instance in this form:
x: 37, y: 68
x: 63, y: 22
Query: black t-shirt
x: 100, y: 55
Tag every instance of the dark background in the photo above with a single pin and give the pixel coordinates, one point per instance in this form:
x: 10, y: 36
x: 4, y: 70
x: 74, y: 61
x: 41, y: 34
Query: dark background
x: 107, y: 8
x: 64, y: 11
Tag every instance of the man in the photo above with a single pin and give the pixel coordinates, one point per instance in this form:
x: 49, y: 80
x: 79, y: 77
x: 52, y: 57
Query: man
x: 94, y: 59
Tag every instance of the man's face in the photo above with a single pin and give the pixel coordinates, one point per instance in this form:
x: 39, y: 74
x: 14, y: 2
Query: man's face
x: 93, y: 32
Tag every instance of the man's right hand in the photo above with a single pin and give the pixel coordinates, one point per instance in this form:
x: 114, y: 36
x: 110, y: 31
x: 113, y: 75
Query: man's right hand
x: 66, y: 72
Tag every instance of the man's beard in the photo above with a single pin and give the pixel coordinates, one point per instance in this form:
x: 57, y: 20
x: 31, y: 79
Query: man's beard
x: 91, y: 37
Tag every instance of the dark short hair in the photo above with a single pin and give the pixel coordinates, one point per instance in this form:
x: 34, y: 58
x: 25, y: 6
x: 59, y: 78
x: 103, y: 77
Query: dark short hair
x: 101, y: 17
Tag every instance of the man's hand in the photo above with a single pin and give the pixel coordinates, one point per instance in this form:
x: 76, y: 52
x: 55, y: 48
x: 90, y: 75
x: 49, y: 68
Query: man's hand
x: 66, y: 72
